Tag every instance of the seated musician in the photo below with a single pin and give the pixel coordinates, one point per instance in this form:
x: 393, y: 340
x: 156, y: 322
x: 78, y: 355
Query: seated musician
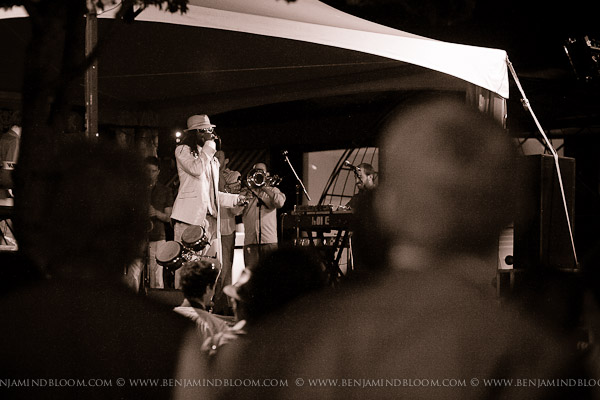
x: 365, y: 181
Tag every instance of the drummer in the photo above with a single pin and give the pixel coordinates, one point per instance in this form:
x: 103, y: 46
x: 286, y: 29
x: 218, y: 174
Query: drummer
x: 161, y: 203
x: 198, y: 201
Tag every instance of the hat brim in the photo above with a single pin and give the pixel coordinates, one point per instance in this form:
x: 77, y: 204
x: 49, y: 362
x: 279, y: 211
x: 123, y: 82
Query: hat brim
x: 203, y: 126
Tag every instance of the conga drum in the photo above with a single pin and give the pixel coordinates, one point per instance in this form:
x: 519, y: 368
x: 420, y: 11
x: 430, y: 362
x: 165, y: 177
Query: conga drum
x: 194, y: 238
x: 170, y: 256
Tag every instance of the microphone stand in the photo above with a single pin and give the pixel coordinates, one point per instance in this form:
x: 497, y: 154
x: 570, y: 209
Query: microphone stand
x: 259, y: 204
x: 298, y: 196
x: 285, y: 153
x: 354, y: 169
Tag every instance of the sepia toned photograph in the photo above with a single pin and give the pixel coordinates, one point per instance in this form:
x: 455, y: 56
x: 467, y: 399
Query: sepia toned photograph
x: 299, y: 199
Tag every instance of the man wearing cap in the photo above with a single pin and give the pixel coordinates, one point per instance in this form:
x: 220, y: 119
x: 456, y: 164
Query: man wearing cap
x: 199, y: 200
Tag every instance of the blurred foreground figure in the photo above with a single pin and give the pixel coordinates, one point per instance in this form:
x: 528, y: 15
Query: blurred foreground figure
x: 9, y: 154
x: 282, y: 277
x: 81, y: 333
x: 429, y: 327
x: 198, y: 281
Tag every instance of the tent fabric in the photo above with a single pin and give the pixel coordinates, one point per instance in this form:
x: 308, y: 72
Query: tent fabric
x: 314, y: 22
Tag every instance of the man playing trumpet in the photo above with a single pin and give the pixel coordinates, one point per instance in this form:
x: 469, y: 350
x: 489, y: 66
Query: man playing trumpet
x: 260, y: 215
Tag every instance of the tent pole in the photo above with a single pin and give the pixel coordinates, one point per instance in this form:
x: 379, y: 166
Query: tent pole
x: 91, y: 74
x: 527, y: 105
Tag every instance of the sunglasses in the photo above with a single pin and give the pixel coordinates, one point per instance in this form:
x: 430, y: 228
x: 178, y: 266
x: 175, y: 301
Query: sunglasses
x: 206, y: 130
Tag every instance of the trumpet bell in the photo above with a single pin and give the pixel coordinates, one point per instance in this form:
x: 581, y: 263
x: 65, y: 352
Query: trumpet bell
x: 258, y: 178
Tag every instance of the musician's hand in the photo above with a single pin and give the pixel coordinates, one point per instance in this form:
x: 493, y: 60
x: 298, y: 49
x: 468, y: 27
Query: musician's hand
x: 268, y: 191
x: 206, y: 136
x: 242, y: 201
x: 235, y: 187
x: 152, y: 212
x: 245, y: 192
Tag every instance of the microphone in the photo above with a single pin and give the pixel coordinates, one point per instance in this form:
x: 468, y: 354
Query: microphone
x: 354, y: 169
x: 284, y: 153
x: 349, y: 165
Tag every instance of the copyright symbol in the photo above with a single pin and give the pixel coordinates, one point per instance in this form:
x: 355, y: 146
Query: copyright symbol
x: 120, y: 382
x: 299, y: 382
x: 474, y: 382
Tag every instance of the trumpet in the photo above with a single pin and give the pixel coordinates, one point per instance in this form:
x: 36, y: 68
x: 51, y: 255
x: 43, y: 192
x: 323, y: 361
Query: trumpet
x: 258, y: 178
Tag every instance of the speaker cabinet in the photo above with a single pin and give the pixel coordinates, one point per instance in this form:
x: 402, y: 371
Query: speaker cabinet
x: 542, y: 238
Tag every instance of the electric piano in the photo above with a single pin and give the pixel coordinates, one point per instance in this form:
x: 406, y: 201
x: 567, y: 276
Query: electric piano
x: 311, y: 223
x: 322, y: 218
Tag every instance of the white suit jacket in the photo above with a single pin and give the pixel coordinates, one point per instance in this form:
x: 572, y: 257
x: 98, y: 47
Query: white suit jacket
x: 193, y: 197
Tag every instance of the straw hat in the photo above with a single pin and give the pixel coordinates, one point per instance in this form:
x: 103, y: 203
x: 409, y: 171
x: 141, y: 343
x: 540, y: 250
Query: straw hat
x: 198, y: 122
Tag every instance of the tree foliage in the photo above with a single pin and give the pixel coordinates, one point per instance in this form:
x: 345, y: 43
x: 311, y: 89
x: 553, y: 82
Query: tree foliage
x: 54, y: 60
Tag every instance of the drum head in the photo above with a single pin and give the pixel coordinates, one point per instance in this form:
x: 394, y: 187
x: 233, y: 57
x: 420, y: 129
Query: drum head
x: 168, y: 252
x: 192, y: 234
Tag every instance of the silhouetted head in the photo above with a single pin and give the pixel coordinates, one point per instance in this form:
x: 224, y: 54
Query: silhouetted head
x: 446, y: 178
x: 281, y: 277
x: 198, y: 280
x: 95, y: 213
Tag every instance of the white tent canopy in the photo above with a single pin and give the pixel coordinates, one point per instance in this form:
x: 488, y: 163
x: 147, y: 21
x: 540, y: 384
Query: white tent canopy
x: 225, y: 55
x: 315, y: 22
